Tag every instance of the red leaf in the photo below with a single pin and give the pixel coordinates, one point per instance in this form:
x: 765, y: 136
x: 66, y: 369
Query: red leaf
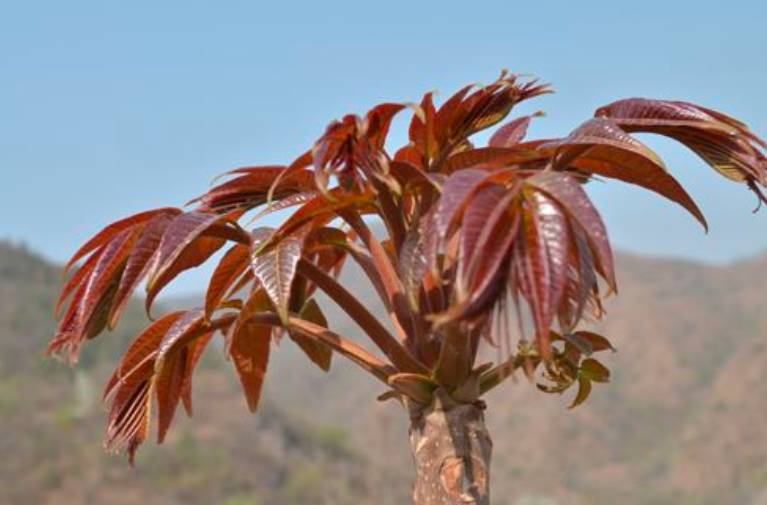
x: 248, y: 345
x: 512, y: 133
x: 455, y: 193
x: 184, y: 245
x: 188, y: 327
x: 491, y: 250
x: 141, y: 350
x: 171, y: 365
x: 565, y: 190
x: 493, y: 158
x: 111, y: 231
x: 275, y: 268
x: 139, y: 263
x: 196, y: 349
x: 234, y: 263
x: 169, y: 382
x: 724, y: 143
x: 319, y: 353
x: 378, y: 120
x: 286, y: 203
x: 323, y: 209
x: 549, y: 245
x: 106, y: 272
x: 253, y: 187
x: 421, y: 130
x: 77, y: 279
x: 132, y: 384
x: 600, y: 147
x: 446, y: 115
x: 485, y: 201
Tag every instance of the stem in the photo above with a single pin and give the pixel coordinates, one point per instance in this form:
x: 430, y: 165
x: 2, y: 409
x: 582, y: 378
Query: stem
x: 455, y: 359
x: 385, y: 341
x: 359, y: 355
x: 452, y: 450
x: 365, y: 262
x: 392, y: 215
x: 402, y: 317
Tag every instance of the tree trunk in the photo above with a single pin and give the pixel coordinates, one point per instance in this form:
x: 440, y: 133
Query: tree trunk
x: 451, y: 448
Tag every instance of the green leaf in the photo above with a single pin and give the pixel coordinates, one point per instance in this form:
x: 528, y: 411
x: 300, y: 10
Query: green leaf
x: 584, y: 390
x: 594, y: 370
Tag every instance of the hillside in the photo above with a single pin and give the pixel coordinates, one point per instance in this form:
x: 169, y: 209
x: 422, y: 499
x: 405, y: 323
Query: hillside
x: 683, y: 422
x: 51, y: 423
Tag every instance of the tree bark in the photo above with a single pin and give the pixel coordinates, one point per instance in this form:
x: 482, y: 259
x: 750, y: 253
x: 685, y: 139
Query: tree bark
x: 452, y: 449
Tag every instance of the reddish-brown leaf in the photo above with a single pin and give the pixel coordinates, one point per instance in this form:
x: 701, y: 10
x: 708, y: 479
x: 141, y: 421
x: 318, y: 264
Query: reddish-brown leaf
x: 111, y: 263
x: 421, y: 130
x: 255, y: 185
x: 169, y: 382
x: 723, y: 142
x: 234, y: 263
x: 323, y: 209
x: 584, y: 391
x: 141, y: 350
x: 286, y: 203
x: 111, y: 231
x: 550, y: 243
x: 275, y: 268
x: 131, y: 386
x: 601, y: 147
x: 378, y: 120
x: 187, y: 328
x: 248, y: 345
x: 484, y: 203
x: 140, y: 262
x: 77, y: 279
x: 196, y: 350
x: 318, y: 352
x: 456, y: 192
x: 483, y: 273
x: 129, y: 416
x: 185, y: 245
x: 512, y: 133
x: 171, y: 364
x: 492, y: 158
x: 445, y: 118
x: 568, y: 193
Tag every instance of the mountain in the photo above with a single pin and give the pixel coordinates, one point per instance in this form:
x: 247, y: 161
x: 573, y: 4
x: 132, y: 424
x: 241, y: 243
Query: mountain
x: 51, y: 424
x: 684, y: 421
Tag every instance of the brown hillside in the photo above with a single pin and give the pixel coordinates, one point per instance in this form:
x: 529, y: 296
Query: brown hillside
x: 685, y: 421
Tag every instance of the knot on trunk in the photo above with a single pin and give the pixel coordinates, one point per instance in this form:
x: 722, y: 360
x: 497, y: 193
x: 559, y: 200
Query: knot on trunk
x: 451, y: 448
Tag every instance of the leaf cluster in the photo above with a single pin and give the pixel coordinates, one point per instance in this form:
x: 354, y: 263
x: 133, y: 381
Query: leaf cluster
x: 473, y: 234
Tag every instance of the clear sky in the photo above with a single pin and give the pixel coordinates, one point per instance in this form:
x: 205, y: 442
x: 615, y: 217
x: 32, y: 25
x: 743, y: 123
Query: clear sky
x: 112, y: 107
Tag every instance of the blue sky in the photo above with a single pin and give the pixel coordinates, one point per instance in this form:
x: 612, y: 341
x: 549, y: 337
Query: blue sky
x: 108, y: 108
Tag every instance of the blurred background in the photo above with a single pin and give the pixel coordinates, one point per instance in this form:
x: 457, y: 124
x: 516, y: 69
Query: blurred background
x: 109, y: 108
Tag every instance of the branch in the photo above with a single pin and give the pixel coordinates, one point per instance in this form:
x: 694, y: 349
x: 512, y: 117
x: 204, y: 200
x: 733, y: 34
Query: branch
x: 392, y: 215
x: 505, y: 370
x: 367, y: 265
x: 402, y: 316
x: 385, y: 341
x: 370, y: 363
